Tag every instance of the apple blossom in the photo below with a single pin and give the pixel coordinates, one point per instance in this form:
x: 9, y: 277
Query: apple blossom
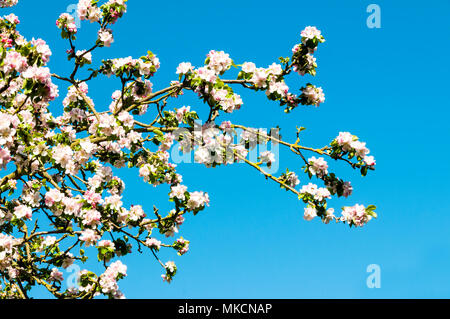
x: 62, y: 165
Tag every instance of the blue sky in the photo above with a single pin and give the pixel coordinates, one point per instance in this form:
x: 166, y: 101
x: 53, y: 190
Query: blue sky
x: 389, y: 86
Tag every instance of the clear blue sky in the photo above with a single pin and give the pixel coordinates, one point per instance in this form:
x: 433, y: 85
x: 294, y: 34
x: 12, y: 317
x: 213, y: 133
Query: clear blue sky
x: 389, y: 86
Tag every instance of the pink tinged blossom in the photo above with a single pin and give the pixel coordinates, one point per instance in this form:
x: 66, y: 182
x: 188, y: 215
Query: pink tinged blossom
x: 184, y: 68
x: 206, y: 74
x: 179, y: 220
x: 153, y: 243
x: 267, y: 157
x: 48, y: 241
x: 348, y: 189
x: 89, y: 237
x: 91, y: 217
x: 105, y: 37
x: 14, y: 61
x: 108, y: 280
x: 259, y: 78
x: 310, y: 213
x: 56, y: 275
x: 5, y: 157
x: 219, y: 61
x: 181, y: 112
x: 62, y: 154
x: 318, y: 166
x: 92, y: 197
x: 114, y: 202
x: 23, y: 211
x: 318, y: 194
x: 275, y: 69
x: 7, y: 3
x: 178, y: 191
x: 278, y: 87
x: 369, y: 160
x: 248, y: 67
x: 344, y: 140
x: 356, y: 214
x: 226, y: 126
x: 136, y: 212
x: 329, y: 216
x: 53, y: 196
x: 86, y: 11
x: 43, y: 49
x: 292, y: 179
x: 310, y: 33
x: 171, y: 231
x: 197, y: 200
x: 106, y: 244
x: 314, y: 95
x: 184, y: 246
x: 360, y: 148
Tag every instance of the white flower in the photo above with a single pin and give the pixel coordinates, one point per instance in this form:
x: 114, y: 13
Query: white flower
x: 310, y: 213
x: 248, y: 67
x: 22, y: 211
x: 105, y: 36
x: 87, y: 57
x: 197, y: 199
x: 318, y: 166
x: 178, y: 191
x: 184, y: 67
x: 267, y: 157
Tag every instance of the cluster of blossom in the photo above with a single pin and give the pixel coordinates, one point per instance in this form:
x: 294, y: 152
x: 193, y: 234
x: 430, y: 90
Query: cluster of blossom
x: 42, y: 82
x: 311, y: 36
x: 195, y: 201
x: 181, y: 245
x: 302, y: 59
x: 317, y: 166
x: 338, y: 186
x: 153, y: 243
x: 215, y: 145
x: 66, y: 23
x: 113, y: 10
x: 350, y: 145
x: 290, y: 178
x: 88, y: 10
x: 108, y: 280
x: 272, y: 80
x: 5, y: 157
x: 8, y: 3
x: 218, y: 61
x: 312, y: 95
x: 74, y: 97
x: 206, y: 82
x: 145, y: 66
x: 171, y: 270
x: 312, y: 192
x: 305, y: 63
x: 105, y: 37
x: 357, y: 215
x: 157, y: 170
x: 134, y: 91
x: 261, y: 77
x: 227, y: 99
x: 7, y: 250
x: 311, y: 211
x: 14, y: 61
